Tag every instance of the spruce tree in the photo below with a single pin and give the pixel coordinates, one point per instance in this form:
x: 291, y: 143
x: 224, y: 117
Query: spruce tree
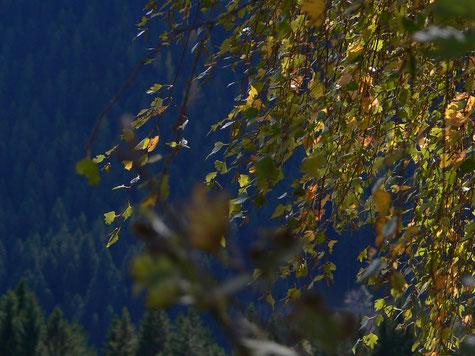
x: 21, y: 323
x: 122, y: 337
x: 9, y: 324
x: 191, y: 338
x: 29, y: 322
x: 63, y: 339
x: 154, y: 334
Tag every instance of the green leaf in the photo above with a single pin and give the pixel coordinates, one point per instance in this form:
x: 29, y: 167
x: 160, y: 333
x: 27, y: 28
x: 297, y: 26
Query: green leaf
x: 221, y: 166
x: 270, y: 300
x: 164, y: 188
x: 265, y: 170
x: 210, y: 176
x: 99, y: 159
x: 154, y: 89
x: 468, y: 165
x: 128, y: 135
x: 456, y: 8
x: 143, y: 145
x: 127, y: 213
x: 244, y: 180
x: 294, y: 293
x: 278, y: 211
x: 370, y: 340
x: 217, y: 147
x: 109, y: 217
x: 379, y: 304
x: 311, y: 165
x: 88, y: 168
x: 398, y: 281
x: 114, y: 237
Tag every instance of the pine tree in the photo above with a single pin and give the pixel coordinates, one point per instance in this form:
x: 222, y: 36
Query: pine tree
x: 63, y: 339
x: 392, y: 342
x: 31, y: 322
x: 191, y: 338
x: 122, y: 337
x: 154, y: 334
x: 9, y: 324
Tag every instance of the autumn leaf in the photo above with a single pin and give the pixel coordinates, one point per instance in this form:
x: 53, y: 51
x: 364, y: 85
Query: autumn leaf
x: 315, y: 10
x: 128, y: 165
x: 208, y: 220
x: 382, y: 199
x: 153, y: 143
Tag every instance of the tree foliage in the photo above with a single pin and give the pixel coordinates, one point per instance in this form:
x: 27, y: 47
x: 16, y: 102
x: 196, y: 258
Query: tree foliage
x: 372, y: 101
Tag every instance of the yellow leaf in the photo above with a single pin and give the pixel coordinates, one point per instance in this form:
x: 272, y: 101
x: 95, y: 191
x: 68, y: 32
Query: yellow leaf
x: 244, y: 180
x: 150, y: 200
x: 142, y: 145
x: 128, y: 165
x: 252, y: 95
x: 444, y: 160
x: 270, y: 300
x: 354, y: 51
x: 382, y: 200
x: 208, y: 220
x: 315, y: 10
x: 153, y: 143
x: 109, y: 217
x: 352, y: 123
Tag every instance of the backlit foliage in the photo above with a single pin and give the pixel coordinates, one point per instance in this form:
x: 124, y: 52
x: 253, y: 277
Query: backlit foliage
x: 379, y: 98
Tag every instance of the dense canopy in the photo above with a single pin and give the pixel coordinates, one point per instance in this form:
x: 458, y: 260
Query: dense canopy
x: 361, y: 112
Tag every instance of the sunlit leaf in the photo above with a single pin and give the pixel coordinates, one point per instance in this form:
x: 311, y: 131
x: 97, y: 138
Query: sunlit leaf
x: 127, y: 213
x: 109, y: 217
x: 153, y: 143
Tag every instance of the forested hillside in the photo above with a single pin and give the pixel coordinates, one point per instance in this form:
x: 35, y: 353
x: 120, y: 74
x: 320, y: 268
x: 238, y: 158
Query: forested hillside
x: 60, y: 64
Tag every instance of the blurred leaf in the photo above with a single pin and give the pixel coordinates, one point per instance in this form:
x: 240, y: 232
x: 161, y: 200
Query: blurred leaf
x: 208, y: 220
x: 315, y: 10
x: 127, y: 135
x: 267, y: 348
x: 311, y: 165
x: 382, y: 199
x: 456, y: 8
x: 468, y: 165
x: 398, y: 281
x: 164, y: 188
x: 265, y: 170
x: 373, y: 269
